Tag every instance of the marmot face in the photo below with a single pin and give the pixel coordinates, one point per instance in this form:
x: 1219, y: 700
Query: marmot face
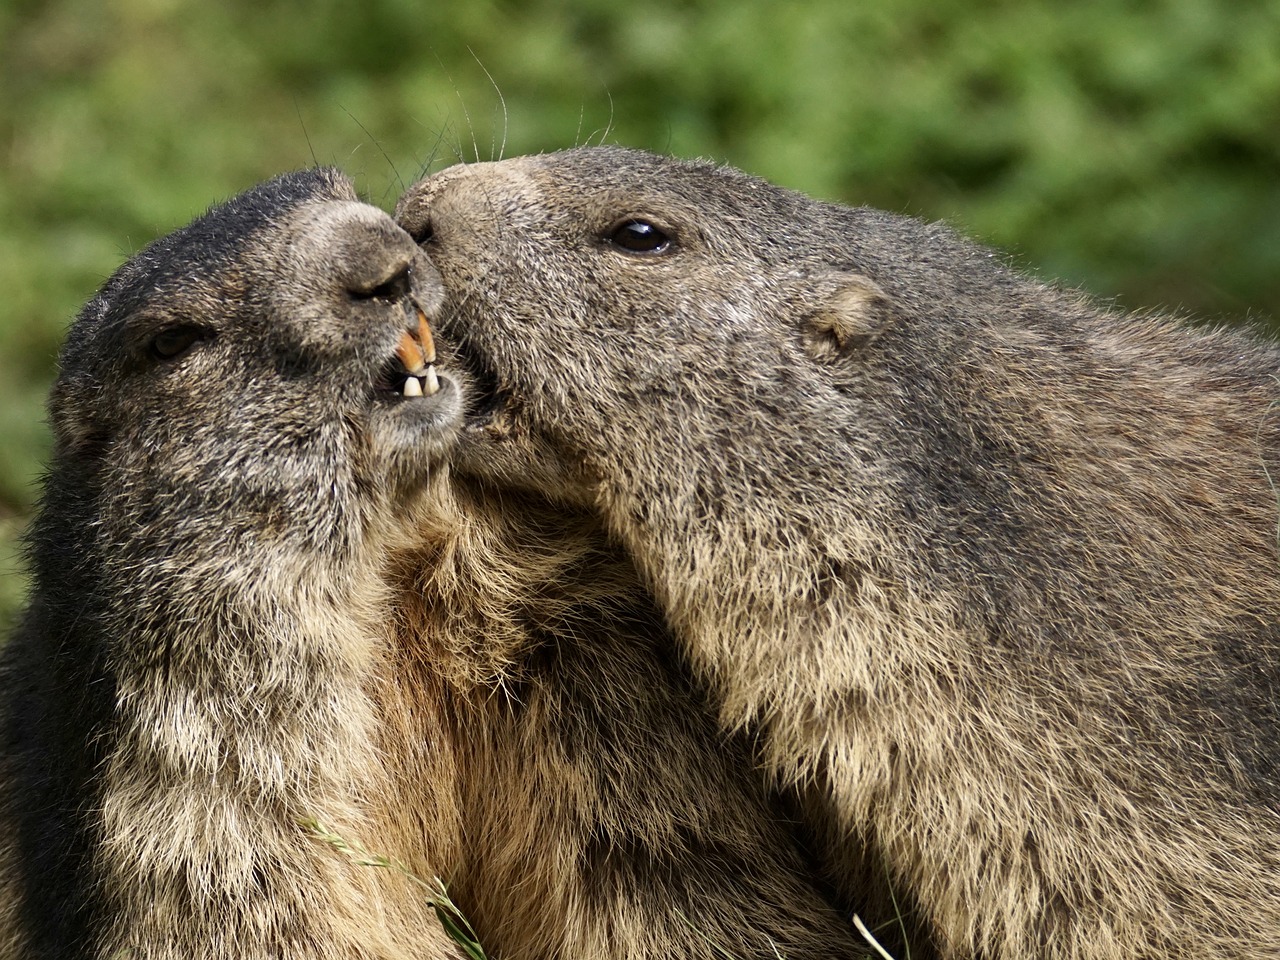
x: 671, y: 281
x: 271, y: 351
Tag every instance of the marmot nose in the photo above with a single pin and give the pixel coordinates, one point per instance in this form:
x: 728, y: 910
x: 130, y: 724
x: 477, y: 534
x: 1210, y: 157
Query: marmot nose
x: 398, y: 286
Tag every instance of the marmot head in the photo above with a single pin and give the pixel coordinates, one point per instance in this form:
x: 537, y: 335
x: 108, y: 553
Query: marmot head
x: 602, y: 294
x: 264, y: 365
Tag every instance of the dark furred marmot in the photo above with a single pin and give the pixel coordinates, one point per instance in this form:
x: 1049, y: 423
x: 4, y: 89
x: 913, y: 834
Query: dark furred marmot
x: 257, y: 604
x: 993, y: 573
x: 191, y: 678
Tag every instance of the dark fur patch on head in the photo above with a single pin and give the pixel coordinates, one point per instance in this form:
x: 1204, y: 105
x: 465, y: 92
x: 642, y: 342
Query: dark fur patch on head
x: 210, y: 243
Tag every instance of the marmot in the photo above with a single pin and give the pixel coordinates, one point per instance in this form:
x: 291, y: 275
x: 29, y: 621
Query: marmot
x: 256, y: 605
x: 193, y: 674
x: 990, y: 570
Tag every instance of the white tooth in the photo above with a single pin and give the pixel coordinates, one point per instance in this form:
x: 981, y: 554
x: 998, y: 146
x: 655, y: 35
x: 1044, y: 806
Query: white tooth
x: 413, y: 387
x: 430, y: 382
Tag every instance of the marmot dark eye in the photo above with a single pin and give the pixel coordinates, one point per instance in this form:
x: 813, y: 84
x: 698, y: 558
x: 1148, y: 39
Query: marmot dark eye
x: 639, y: 236
x: 172, y: 343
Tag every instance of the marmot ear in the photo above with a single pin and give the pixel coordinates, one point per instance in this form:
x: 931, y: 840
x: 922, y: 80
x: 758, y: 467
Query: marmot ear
x: 848, y: 318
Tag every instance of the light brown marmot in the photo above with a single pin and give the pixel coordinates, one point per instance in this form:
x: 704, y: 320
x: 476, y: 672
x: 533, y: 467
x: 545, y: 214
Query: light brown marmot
x: 604, y: 813
x: 991, y: 571
x: 254, y: 608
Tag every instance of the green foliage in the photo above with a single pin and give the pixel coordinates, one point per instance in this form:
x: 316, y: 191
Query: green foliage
x: 1131, y: 147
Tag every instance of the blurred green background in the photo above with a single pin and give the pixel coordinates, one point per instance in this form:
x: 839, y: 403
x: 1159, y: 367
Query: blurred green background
x: 1132, y: 148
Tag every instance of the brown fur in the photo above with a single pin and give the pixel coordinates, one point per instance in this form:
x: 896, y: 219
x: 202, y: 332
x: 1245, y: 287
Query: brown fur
x: 253, y: 608
x: 194, y: 674
x: 586, y: 756
x: 992, y: 573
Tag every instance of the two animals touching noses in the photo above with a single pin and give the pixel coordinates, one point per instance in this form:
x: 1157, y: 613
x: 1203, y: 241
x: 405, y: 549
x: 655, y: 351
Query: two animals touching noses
x: 672, y: 563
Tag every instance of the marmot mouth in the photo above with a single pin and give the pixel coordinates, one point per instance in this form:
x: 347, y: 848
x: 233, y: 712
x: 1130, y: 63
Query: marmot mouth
x: 487, y: 401
x: 411, y: 371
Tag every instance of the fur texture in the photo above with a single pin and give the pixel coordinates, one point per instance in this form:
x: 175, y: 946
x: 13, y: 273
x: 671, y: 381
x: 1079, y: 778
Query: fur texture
x: 992, y: 572
x: 257, y: 603
x: 605, y: 815
x: 194, y: 675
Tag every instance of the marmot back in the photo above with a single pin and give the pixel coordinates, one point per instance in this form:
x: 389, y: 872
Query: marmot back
x: 992, y: 572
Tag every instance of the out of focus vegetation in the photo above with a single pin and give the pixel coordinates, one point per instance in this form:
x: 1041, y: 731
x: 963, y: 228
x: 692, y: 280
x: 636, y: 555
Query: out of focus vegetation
x: 1129, y: 147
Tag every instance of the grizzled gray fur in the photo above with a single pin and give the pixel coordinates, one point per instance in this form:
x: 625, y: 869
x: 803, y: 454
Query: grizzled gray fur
x: 258, y: 606
x: 990, y: 570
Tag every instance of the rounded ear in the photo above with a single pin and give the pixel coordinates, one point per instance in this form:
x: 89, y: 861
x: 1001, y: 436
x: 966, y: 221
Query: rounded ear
x: 852, y: 311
